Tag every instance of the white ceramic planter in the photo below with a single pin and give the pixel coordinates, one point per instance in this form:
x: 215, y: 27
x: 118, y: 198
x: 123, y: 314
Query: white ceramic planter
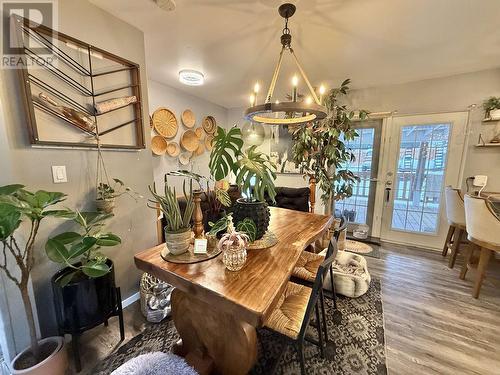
x: 54, y: 364
x: 495, y: 114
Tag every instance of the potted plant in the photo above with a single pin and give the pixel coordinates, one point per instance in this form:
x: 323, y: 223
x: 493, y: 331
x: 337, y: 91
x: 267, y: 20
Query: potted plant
x: 492, y: 108
x: 320, y: 151
x: 216, y: 195
x: 108, y: 192
x: 255, y: 174
x: 84, y: 291
x: 18, y: 207
x: 234, y: 253
x: 178, y: 228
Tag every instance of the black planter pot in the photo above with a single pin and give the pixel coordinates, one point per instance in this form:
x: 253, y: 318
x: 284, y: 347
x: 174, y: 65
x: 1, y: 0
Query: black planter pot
x: 84, y: 302
x: 257, y: 211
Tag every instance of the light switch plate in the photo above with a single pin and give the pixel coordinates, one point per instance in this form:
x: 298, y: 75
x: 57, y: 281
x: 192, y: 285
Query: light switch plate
x: 59, y: 174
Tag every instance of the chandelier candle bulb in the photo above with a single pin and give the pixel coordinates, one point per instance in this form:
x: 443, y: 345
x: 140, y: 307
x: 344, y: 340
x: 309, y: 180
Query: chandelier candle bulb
x: 295, y: 82
x: 256, y: 89
x: 321, y: 93
x: 252, y: 100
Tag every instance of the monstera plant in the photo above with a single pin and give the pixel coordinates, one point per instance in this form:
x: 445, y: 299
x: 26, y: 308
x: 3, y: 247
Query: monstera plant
x: 24, y: 211
x: 255, y: 175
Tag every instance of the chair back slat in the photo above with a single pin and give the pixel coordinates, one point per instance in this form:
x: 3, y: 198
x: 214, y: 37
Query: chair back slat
x: 342, y: 226
x: 316, y: 289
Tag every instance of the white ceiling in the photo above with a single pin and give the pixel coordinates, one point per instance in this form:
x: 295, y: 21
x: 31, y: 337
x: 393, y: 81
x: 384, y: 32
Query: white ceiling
x: 373, y: 42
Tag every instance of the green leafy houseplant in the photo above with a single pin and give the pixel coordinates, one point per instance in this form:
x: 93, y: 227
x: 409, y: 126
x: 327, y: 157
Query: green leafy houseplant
x: 80, y: 251
x: 255, y: 173
x: 108, y: 192
x: 248, y: 227
x: 491, y: 104
x: 319, y: 148
x: 178, y: 228
x: 18, y: 205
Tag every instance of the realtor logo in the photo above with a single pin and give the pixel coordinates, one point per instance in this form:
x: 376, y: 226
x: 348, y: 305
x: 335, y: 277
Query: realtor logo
x: 22, y: 45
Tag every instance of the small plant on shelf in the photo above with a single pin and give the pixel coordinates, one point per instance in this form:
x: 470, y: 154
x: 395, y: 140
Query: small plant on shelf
x: 81, y: 251
x: 491, y: 108
x: 108, y: 192
x: 178, y: 228
x: 233, y: 245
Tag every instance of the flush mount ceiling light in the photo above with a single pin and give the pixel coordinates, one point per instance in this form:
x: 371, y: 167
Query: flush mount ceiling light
x: 191, y: 77
x: 292, y: 112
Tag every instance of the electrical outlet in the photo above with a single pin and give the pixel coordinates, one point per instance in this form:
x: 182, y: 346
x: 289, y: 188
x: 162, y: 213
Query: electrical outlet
x: 59, y: 174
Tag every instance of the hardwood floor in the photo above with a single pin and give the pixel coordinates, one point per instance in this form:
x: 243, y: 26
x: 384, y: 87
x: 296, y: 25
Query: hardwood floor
x: 432, y: 323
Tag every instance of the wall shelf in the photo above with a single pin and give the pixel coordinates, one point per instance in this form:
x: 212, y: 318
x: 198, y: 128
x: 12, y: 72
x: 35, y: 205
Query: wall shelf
x: 488, y: 145
x: 490, y: 120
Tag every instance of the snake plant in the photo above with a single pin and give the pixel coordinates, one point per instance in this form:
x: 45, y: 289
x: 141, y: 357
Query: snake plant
x: 177, y: 221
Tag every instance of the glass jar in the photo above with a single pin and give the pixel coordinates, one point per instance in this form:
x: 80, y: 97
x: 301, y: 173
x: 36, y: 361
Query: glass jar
x: 234, y: 257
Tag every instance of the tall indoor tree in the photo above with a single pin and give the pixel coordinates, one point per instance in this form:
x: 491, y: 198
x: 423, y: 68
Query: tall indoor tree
x: 320, y: 151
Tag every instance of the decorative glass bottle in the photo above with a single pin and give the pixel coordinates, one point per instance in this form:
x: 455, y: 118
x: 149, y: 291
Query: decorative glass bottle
x: 234, y: 250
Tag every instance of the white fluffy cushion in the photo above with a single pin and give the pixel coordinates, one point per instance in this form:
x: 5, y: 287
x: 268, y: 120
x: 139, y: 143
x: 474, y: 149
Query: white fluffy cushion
x: 351, y: 275
x: 156, y: 363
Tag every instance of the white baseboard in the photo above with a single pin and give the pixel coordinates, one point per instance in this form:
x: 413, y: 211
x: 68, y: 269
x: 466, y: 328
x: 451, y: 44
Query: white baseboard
x: 130, y: 300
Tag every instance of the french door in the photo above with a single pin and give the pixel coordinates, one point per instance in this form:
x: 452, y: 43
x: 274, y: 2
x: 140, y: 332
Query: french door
x: 422, y: 155
x: 358, y: 209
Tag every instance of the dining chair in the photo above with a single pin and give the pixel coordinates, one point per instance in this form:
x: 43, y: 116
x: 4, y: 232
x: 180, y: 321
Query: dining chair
x: 292, y: 315
x: 306, y: 267
x: 455, y: 213
x: 483, y: 227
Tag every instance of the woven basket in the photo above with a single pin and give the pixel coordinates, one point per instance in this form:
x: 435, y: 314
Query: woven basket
x: 148, y: 282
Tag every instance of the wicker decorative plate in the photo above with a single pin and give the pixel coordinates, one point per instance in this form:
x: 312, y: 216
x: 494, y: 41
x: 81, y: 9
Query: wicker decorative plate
x: 188, y: 118
x: 158, y: 145
x: 189, y: 141
x: 209, y: 125
x: 165, y: 123
x: 173, y: 149
x: 209, y: 142
x: 200, y: 150
x: 269, y: 239
x: 185, y: 158
x: 199, y: 133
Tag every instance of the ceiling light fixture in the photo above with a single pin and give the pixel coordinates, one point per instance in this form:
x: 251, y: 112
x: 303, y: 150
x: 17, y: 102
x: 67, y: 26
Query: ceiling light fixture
x: 191, y: 77
x: 292, y: 112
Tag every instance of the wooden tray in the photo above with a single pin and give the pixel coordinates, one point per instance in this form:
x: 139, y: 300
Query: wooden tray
x: 189, y: 256
x: 165, y: 122
x: 269, y: 239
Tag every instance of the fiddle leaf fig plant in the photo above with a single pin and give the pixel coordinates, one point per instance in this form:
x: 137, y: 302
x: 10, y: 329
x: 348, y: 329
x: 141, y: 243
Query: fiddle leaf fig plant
x: 320, y: 150
x: 80, y: 250
x: 23, y: 211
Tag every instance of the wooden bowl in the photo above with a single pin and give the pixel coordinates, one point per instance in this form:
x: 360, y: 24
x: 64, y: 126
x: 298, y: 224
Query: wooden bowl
x: 188, y: 118
x: 165, y: 122
x: 158, y: 145
x: 199, y: 133
x: 189, y: 141
x: 209, y: 142
x: 185, y: 158
x: 173, y: 149
x: 209, y: 125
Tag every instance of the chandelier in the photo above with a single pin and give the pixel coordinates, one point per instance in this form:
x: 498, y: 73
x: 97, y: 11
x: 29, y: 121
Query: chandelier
x: 292, y: 112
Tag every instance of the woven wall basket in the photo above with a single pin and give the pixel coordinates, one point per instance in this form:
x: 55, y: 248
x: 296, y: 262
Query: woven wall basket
x: 189, y: 141
x: 165, y: 122
x: 188, y: 118
x: 158, y: 145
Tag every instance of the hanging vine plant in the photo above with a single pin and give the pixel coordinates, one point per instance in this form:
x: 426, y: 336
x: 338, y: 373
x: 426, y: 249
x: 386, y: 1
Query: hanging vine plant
x: 319, y: 148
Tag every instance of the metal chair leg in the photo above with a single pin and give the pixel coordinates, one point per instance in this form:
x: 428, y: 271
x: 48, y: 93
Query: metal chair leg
x: 76, y: 351
x: 334, y: 293
x: 320, y: 331
x: 323, y: 312
x: 120, y: 314
x: 300, y: 351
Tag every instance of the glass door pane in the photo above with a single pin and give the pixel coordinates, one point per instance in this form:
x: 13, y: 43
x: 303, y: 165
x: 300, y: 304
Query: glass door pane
x: 419, y: 178
x: 358, y: 209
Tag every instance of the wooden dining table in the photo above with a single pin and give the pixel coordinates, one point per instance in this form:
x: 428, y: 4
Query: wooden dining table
x: 216, y: 311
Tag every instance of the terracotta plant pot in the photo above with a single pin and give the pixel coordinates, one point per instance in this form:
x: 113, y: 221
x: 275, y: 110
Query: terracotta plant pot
x: 105, y: 205
x: 178, y: 243
x: 55, y: 364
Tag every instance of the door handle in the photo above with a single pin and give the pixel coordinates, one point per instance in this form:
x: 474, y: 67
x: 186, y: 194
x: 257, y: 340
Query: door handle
x: 387, y: 194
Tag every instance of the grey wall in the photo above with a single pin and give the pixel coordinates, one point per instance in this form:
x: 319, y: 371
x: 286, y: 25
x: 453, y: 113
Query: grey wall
x: 21, y: 163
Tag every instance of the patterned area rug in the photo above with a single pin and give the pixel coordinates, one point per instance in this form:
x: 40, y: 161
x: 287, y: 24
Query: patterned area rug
x: 362, y: 248
x: 357, y: 331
